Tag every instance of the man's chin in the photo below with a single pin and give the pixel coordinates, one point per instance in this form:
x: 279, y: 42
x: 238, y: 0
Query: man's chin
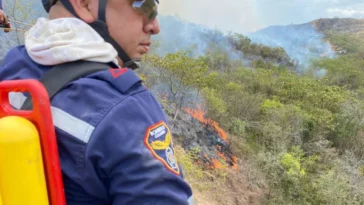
x: 138, y: 55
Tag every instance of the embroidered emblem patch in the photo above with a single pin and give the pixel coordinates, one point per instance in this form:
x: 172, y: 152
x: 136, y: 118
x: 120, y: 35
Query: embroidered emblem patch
x: 117, y: 72
x: 158, y: 139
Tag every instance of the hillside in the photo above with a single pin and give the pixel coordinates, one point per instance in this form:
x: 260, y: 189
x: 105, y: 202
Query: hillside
x: 326, y: 37
x: 340, y: 25
x: 251, y: 130
x: 346, y: 35
x: 177, y: 34
x: 293, y: 46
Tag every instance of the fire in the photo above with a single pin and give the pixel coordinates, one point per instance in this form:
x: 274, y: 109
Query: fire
x: 215, y: 163
x: 199, y: 115
x: 221, y: 155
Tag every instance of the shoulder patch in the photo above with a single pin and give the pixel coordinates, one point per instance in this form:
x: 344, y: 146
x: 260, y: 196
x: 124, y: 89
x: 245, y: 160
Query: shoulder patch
x: 121, y: 78
x: 158, y: 140
x: 117, y: 72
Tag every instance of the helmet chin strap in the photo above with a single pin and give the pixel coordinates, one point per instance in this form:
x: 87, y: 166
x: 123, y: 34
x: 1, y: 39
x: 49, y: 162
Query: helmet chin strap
x: 101, y: 28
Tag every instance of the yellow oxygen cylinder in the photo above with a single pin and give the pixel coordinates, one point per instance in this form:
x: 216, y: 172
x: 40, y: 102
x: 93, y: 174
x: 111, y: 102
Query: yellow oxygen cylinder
x: 22, y: 178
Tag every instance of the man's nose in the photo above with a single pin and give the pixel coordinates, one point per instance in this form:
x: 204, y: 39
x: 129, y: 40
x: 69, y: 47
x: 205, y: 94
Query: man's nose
x: 152, y: 27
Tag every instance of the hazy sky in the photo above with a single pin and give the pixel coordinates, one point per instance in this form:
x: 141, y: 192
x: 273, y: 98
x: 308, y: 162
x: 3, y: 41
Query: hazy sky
x: 249, y: 15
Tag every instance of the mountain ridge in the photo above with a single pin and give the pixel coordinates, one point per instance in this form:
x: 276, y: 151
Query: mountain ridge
x: 325, y: 24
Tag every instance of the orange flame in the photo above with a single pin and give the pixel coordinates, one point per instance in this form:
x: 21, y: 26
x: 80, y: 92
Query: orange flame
x: 214, y: 163
x: 199, y: 115
x: 217, y: 164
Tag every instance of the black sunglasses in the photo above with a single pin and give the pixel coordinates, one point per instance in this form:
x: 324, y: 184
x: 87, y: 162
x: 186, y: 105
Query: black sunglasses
x: 148, y: 8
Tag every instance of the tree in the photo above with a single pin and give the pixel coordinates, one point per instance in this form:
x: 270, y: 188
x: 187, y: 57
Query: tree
x: 181, y: 73
x: 22, y: 15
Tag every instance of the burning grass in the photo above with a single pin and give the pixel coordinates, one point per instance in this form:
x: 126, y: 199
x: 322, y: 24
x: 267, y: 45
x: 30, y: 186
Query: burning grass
x: 224, y: 158
x: 216, y: 184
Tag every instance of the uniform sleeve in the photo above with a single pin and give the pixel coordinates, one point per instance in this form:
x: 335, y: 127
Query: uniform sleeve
x: 132, y: 150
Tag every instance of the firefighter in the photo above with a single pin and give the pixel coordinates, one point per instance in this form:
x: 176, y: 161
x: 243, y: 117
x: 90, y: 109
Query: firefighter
x: 115, y: 145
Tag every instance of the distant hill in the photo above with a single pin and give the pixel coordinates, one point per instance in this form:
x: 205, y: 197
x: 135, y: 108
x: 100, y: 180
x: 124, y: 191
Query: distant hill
x: 346, y: 35
x: 301, y: 42
x: 326, y: 37
x: 341, y: 25
x: 177, y: 34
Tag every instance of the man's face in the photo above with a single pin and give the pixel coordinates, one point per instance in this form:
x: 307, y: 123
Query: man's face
x: 129, y: 28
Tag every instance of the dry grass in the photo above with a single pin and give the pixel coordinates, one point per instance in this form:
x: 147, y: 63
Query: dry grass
x: 222, y: 186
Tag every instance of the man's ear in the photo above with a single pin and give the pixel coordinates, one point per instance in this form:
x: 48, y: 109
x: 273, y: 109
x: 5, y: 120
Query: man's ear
x: 84, y: 9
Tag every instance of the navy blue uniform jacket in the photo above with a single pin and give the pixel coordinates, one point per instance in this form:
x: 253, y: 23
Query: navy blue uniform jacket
x: 114, y: 142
